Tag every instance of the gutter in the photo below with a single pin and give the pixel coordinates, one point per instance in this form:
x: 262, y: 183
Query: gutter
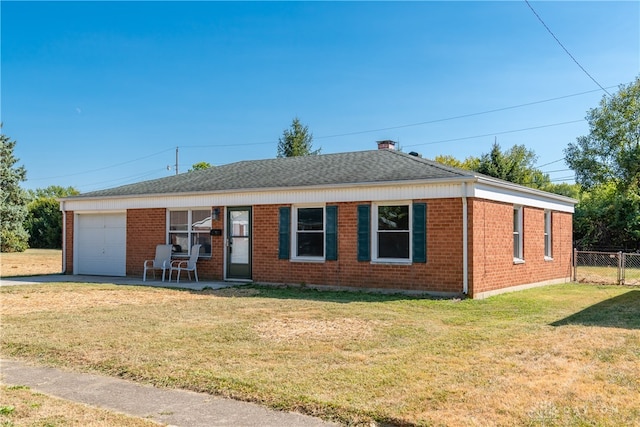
x: 64, y: 238
x: 465, y: 241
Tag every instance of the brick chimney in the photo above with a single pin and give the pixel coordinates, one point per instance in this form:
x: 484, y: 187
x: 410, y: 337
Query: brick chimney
x: 386, y: 145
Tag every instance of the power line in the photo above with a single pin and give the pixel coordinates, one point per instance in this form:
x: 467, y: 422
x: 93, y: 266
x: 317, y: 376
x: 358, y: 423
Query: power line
x: 103, y: 168
x: 564, y: 178
x: 463, y: 116
x: 550, y: 163
x: 557, y: 170
x: 494, y: 133
x: 564, y: 48
x: 354, y: 133
x: 410, y: 124
x: 126, y: 179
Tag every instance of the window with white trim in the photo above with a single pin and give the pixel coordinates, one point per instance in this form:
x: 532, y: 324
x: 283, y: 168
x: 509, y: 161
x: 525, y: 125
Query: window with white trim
x: 187, y: 228
x: 391, y: 232
x: 308, y: 237
x: 548, y: 253
x: 517, y: 234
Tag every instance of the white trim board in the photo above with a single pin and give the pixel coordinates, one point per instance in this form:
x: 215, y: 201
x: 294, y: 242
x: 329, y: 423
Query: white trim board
x: 370, y: 193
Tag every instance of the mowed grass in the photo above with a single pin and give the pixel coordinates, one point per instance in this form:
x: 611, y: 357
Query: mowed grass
x: 31, y: 262
x: 566, y: 355
x: 589, y: 274
x: 19, y: 406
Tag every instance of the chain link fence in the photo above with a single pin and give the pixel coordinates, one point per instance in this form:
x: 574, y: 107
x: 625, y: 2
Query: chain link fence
x: 606, y: 267
x: 631, y: 269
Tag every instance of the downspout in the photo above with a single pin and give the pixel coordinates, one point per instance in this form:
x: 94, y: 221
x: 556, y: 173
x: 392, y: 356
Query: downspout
x: 64, y: 238
x: 465, y: 240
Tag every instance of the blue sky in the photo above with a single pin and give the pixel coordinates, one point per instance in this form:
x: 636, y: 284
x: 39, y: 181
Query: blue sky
x: 100, y: 94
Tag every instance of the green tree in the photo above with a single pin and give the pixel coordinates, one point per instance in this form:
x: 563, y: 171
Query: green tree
x: 607, y: 166
x: 611, y: 150
x: 470, y: 163
x: 516, y: 165
x: 606, y: 219
x: 13, y: 200
x: 563, y: 189
x: 44, y: 223
x: 44, y: 220
x: 52, y: 191
x: 296, y: 141
x: 200, y: 166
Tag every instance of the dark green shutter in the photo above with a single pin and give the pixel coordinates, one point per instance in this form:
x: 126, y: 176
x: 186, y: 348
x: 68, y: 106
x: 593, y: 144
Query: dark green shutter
x: 284, y: 240
x: 364, y: 232
x: 419, y: 232
x: 331, y: 233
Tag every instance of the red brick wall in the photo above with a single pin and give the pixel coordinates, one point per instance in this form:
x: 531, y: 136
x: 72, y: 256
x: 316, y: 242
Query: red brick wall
x: 441, y: 273
x: 491, y: 247
x: 146, y: 228
x: 69, y: 242
x: 491, y: 265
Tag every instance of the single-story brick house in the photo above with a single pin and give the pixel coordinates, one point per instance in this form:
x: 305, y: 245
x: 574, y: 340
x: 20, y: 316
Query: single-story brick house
x: 370, y: 219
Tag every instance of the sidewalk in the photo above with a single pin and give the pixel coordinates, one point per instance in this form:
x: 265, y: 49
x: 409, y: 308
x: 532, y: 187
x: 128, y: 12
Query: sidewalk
x: 173, y: 407
x: 136, y: 281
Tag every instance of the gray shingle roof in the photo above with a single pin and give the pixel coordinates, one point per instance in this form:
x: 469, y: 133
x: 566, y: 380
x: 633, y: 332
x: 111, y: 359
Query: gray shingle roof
x: 358, y: 167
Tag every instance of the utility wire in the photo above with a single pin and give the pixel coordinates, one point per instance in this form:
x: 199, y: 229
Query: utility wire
x: 493, y: 133
x: 351, y: 133
x: 557, y: 170
x: 564, y: 48
x: 124, y: 180
x: 463, y: 116
x: 103, y: 168
x: 550, y: 163
x: 408, y: 125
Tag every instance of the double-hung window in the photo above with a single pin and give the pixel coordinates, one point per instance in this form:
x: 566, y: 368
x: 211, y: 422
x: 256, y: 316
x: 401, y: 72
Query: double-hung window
x: 187, y: 228
x: 391, y: 232
x: 517, y: 235
x: 548, y: 253
x: 309, y: 233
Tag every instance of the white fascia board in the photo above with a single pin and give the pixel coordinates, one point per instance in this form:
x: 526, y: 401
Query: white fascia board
x: 326, y: 194
x: 524, y: 196
x: 526, y: 190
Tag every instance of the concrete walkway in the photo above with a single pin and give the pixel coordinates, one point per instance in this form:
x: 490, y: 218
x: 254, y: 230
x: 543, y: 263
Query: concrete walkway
x: 137, y: 281
x: 168, y: 406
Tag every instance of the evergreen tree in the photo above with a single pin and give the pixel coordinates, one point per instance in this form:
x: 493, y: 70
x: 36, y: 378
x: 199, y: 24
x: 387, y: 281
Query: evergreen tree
x: 296, y: 141
x: 516, y: 165
x: 13, y: 200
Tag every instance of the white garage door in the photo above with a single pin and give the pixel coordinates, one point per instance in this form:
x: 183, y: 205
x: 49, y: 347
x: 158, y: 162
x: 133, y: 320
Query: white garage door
x: 101, y: 244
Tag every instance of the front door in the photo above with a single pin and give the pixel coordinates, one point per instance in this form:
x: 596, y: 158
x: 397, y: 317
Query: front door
x: 239, y: 243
